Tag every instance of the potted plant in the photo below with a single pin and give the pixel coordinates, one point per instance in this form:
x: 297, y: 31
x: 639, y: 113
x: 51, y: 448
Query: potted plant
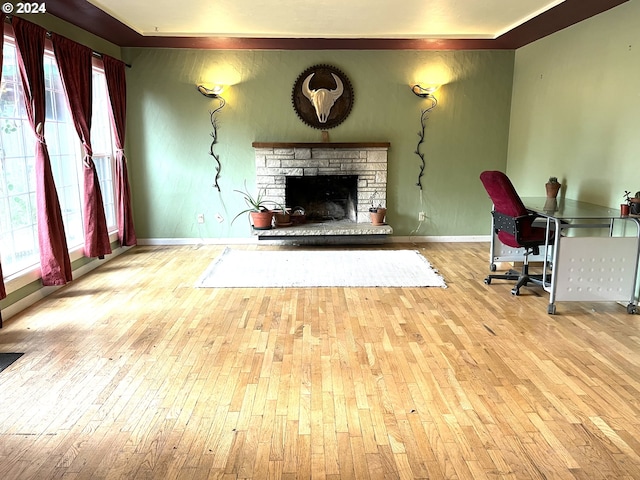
x: 552, y: 187
x: 625, y: 207
x: 282, y: 216
x: 260, y: 216
x: 378, y: 212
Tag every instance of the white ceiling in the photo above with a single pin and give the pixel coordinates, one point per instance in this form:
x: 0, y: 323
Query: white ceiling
x: 459, y: 19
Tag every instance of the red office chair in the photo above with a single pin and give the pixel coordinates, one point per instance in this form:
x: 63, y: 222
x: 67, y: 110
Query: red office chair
x: 513, y: 224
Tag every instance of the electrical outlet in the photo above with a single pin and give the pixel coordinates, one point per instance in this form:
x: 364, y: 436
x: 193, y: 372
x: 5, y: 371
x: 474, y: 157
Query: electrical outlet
x: 219, y: 218
x: 200, y: 218
x: 421, y: 216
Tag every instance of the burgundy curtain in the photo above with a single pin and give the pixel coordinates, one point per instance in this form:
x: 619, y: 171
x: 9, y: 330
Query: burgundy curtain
x: 54, y: 255
x: 3, y: 292
x: 74, y: 62
x: 117, y: 86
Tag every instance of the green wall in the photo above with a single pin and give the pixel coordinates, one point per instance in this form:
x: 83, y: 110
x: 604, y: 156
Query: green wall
x: 168, y: 131
x: 576, y: 109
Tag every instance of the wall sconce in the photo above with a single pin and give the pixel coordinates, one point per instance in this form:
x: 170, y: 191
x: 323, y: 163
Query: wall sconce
x: 214, y: 93
x: 427, y: 93
x: 210, y: 93
x: 423, y: 92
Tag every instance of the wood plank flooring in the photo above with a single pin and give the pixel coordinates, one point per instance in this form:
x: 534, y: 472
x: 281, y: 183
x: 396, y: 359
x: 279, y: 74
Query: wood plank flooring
x: 131, y: 373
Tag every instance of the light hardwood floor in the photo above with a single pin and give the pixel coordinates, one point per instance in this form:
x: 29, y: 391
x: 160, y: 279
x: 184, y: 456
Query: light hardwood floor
x: 131, y: 373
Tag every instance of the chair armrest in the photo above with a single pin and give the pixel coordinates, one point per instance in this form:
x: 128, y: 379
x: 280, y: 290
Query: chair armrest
x: 504, y: 223
x: 512, y: 225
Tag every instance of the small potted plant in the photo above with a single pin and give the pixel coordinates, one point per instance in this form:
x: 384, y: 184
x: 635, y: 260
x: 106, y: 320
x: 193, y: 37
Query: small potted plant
x: 260, y: 216
x: 625, y: 207
x: 378, y: 212
x: 282, y: 216
x: 552, y: 187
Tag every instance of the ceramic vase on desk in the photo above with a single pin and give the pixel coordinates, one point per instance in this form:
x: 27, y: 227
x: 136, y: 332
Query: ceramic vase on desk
x: 552, y: 187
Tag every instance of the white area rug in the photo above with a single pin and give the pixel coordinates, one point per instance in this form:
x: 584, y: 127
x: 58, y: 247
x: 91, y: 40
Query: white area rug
x: 320, y: 268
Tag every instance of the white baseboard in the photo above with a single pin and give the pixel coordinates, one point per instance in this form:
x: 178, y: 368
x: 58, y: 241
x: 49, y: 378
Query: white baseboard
x: 439, y: 239
x: 254, y: 240
x: 197, y: 241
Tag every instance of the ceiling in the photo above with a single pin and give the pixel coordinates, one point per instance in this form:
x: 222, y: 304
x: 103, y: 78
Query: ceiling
x: 326, y: 24
x: 326, y: 19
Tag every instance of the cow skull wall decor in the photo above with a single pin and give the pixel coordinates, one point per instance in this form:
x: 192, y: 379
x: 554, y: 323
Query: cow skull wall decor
x: 322, y: 96
x: 322, y: 99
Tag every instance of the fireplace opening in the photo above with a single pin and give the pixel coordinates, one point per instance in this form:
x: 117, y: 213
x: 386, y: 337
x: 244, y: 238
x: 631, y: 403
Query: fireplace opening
x: 324, y: 197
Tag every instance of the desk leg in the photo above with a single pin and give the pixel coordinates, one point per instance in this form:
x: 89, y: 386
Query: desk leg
x: 551, y: 308
x: 492, y: 252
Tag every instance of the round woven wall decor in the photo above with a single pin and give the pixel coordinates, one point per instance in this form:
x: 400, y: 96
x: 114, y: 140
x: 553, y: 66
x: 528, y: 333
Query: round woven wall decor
x: 322, y: 96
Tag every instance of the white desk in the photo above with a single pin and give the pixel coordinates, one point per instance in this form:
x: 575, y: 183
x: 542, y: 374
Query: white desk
x: 595, y: 256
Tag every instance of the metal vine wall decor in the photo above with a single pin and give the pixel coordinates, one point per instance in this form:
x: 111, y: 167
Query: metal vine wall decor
x: 424, y: 115
x: 214, y: 136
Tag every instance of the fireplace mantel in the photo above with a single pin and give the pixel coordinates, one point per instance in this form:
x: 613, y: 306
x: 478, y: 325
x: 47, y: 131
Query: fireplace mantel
x: 363, y: 145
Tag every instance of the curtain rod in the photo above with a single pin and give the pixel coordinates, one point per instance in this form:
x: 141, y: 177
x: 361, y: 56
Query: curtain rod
x: 48, y: 34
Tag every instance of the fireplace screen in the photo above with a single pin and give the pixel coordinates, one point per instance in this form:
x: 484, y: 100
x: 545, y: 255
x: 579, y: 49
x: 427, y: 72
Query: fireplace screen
x: 324, y: 197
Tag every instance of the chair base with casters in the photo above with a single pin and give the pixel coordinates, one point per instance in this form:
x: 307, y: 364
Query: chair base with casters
x: 511, y: 226
x: 522, y: 278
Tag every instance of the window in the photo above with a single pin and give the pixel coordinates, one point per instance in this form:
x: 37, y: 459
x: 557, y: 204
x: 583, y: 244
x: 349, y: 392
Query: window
x: 19, y: 248
x: 102, y: 143
x: 64, y: 151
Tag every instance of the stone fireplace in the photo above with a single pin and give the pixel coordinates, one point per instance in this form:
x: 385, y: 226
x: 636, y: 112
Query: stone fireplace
x: 282, y: 165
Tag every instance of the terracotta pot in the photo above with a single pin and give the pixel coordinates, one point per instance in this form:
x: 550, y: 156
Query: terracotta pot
x: 552, y: 189
x: 377, y: 218
x: 282, y: 218
x: 624, y: 210
x: 261, y: 220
